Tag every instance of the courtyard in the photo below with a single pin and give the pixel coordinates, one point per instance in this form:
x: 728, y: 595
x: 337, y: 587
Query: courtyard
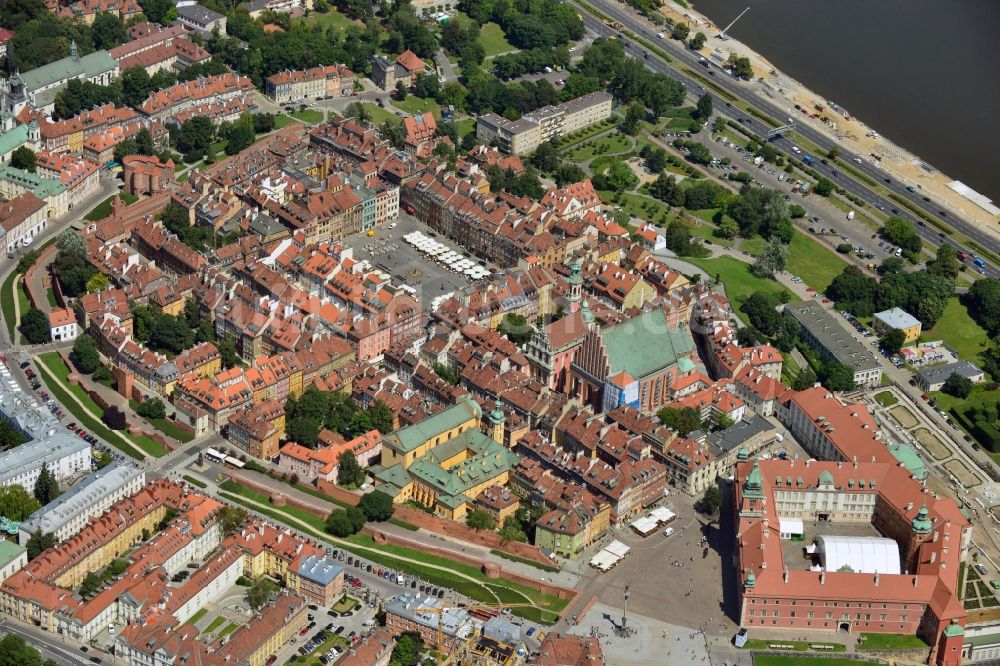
x: 387, y: 251
x: 793, y: 550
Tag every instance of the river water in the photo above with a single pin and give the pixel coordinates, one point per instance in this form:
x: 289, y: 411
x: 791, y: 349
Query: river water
x: 924, y: 73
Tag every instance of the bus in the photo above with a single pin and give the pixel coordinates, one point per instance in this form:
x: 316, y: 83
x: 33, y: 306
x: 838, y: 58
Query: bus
x: 234, y: 462
x: 214, y: 456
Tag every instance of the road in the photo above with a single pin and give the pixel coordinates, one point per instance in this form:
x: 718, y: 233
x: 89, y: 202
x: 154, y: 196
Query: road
x: 742, y: 91
x: 48, y: 644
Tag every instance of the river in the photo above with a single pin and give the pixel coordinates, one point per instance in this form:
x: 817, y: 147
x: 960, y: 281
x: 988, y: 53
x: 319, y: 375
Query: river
x: 924, y: 73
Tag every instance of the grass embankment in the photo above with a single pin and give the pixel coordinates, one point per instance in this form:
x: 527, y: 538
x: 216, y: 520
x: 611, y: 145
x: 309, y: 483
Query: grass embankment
x: 959, y: 331
x: 465, y: 579
x: 739, y: 281
x: 7, y: 300
x: 55, y: 374
x: 522, y: 560
x: 799, y: 646
x: 103, y: 209
x: 166, y: 426
x: 195, y: 482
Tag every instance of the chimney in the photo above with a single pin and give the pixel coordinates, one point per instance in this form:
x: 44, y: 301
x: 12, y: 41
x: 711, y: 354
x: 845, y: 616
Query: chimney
x: 915, y: 581
x: 822, y: 578
x: 876, y: 579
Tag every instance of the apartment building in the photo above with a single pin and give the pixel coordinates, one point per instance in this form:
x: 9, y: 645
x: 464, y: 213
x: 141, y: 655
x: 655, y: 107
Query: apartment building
x: 306, y: 84
x: 821, y: 331
x: 535, y: 128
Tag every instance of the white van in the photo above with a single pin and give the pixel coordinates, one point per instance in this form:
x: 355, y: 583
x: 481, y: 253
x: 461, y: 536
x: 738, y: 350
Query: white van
x: 668, y: 531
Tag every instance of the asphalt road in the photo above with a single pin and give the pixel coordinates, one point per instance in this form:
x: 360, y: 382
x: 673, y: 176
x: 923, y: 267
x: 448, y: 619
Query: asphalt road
x: 48, y: 645
x: 739, y: 89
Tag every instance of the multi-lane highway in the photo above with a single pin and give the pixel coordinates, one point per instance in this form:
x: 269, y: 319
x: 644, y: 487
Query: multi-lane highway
x: 640, y: 26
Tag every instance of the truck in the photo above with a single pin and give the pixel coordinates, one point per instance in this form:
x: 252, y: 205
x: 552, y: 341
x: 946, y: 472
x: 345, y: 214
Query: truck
x: 808, y: 159
x: 963, y: 255
x: 804, y: 190
x: 978, y: 261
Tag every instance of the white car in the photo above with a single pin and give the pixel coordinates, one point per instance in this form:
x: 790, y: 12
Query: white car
x: 392, y: 225
x: 668, y: 531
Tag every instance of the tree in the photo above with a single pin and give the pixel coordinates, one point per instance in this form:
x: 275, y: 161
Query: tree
x: 227, y: 350
x: 240, y: 138
x: 9, y: 437
x: 196, y: 134
x: 546, y: 157
x: 158, y: 11
x: 15, y: 13
x: 104, y: 458
x: 24, y: 158
x: 407, y: 651
x: 569, y: 173
x: 710, y: 502
x: 983, y: 303
x: 480, y: 519
x: 683, y: 420
x: 171, y: 334
x: 901, y: 232
x: 824, y: 187
x: 957, y: 385
x: 697, y: 42
x: 771, y: 260
x: 377, y: 506
x: 46, y: 486
x: 97, y: 282
x: 357, y: 518
x: 16, y: 503
x: 699, y: 153
x: 618, y: 177
x: 107, y: 31
x: 231, y: 518
x: 35, y: 327
x: 741, y: 66
x: 721, y: 421
x: 151, y: 409
x: 511, y: 531
x: 635, y: 113
x: 837, y: 376
x: 761, y: 313
x: 349, y: 472
x: 946, y: 264
x: 261, y: 592
x: 893, y: 340
x: 91, y: 582
x: 804, y: 380
x: 516, y: 328
x: 357, y: 111
x: 38, y: 543
x: 704, y: 106
x: 400, y: 91
x: 681, y: 31
x: 339, y: 524
x: 84, y: 354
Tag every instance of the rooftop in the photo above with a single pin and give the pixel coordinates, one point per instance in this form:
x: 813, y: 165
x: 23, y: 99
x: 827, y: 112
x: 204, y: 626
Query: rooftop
x: 897, y: 318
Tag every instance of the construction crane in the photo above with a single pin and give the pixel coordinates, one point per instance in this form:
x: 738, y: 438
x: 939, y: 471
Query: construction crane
x: 439, y: 611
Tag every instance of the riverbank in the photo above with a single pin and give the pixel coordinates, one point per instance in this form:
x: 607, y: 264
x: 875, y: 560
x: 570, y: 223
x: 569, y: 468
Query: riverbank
x: 900, y: 165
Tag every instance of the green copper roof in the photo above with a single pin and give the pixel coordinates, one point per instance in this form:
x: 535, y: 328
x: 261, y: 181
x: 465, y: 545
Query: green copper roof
x: 954, y: 629
x: 575, y: 277
x: 751, y: 580
x: 496, y: 416
x: 825, y: 478
x: 643, y: 345
x: 921, y: 523
x: 906, y: 455
x: 10, y: 141
x: 92, y: 64
x: 742, y: 455
x: 43, y: 188
x: 9, y: 551
x: 410, y: 437
x: 754, y: 485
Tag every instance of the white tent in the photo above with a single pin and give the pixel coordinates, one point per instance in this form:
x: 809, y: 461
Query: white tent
x: 617, y: 548
x: 604, y: 560
x: 790, y: 527
x: 645, y: 525
x: 662, y: 514
x: 858, y: 554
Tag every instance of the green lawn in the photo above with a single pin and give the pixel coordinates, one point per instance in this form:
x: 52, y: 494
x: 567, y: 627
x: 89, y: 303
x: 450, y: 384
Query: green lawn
x: 345, y: 603
x: 886, y: 399
x: 812, y: 262
x: 414, y: 105
x: 230, y: 628
x: 739, y: 281
x: 55, y: 374
x: 103, y: 209
x: 308, y: 116
x: 492, y: 39
x: 959, y: 331
x: 752, y: 246
x: 197, y: 616
x: 801, y: 646
x: 387, y: 555
x: 214, y: 624
x: 380, y: 115
x: 50, y: 296
x: 643, y: 207
x: 329, y: 19
x: 873, y: 641
x: 166, y: 426
x: 465, y: 126
x: 782, y: 660
x: 194, y: 482
x: 610, y: 144
x: 7, y: 301
x: 283, y: 121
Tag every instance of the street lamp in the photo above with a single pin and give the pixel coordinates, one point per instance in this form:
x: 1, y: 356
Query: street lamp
x: 625, y: 609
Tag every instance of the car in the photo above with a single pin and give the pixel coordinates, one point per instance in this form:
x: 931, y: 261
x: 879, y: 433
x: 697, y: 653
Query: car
x: 338, y: 630
x: 71, y: 425
x: 942, y: 213
x: 895, y: 211
x: 313, y: 607
x: 270, y: 660
x: 888, y: 180
x: 96, y: 660
x: 304, y: 631
x: 741, y: 637
x: 83, y: 648
x: 24, y: 364
x: 669, y: 531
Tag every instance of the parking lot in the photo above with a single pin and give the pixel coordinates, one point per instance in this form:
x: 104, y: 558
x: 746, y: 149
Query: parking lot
x: 387, y: 251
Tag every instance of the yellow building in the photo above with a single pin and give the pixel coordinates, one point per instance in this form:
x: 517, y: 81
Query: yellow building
x: 897, y: 319
x: 444, y: 462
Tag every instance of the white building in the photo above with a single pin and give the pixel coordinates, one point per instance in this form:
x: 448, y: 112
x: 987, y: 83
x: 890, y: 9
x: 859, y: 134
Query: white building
x: 62, y: 324
x: 69, y: 513
x: 12, y: 558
